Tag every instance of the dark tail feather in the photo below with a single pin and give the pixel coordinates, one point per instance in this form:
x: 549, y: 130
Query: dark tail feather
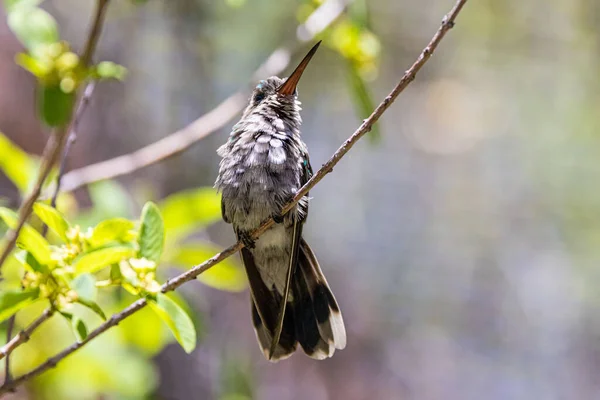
x: 287, y: 340
x: 312, y: 316
x: 317, y: 317
x: 265, y: 306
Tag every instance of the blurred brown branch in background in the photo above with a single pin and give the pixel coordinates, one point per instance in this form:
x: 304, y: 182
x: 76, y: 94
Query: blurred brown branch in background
x: 210, y: 122
x: 172, y: 284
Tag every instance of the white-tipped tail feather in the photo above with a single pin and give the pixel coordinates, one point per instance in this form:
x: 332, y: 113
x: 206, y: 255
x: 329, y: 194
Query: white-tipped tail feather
x: 312, y: 317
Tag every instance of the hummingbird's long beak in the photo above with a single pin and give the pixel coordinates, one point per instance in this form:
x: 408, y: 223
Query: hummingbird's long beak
x: 289, y: 86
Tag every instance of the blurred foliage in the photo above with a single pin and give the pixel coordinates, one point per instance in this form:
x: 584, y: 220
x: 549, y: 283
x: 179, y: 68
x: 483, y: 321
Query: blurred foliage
x: 353, y: 39
x: 59, y: 71
x: 88, y: 273
x: 19, y: 167
x: 237, y: 382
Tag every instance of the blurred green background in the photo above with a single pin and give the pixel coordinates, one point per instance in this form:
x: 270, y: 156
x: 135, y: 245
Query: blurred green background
x: 462, y: 245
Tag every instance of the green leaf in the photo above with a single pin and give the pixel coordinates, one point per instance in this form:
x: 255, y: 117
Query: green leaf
x: 85, y: 287
x: 109, y: 69
x: 227, y: 275
x: 79, y: 329
x: 95, y: 260
x: 36, y: 67
x: 17, y: 165
x: 115, y: 273
x: 33, y: 26
x: 29, y: 239
x: 29, y: 261
x: 144, y: 330
x: 13, y: 301
x: 178, y: 321
x: 235, y: 3
x: 190, y: 210
x: 68, y: 316
x: 110, y: 200
x: 363, y: 101
x: 359, y: 13
x: 51, y: 217
x: 10, y: 5
x: 92, y: 306
x: 110, y: 230
x: 152, y: 233
x: 131, y: 283
x: 54, y: 105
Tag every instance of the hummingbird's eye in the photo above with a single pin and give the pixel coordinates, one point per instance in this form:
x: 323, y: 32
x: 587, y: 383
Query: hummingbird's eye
x: 258, y: 97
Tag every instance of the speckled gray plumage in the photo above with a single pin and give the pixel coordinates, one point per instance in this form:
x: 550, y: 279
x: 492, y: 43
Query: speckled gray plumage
x: 263, y: 165
x: 260, y: 172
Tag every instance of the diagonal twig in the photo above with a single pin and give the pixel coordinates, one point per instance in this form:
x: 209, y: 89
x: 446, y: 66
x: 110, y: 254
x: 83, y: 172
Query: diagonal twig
x: 49, y: 158
x: 9, y: 331
x: 172, y: 284
x: 25, y: 334
x: 83, y: 103
x: 179, y: 141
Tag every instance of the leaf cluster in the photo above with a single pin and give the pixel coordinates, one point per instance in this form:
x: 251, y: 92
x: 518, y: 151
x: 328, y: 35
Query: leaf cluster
x: 58, y: 70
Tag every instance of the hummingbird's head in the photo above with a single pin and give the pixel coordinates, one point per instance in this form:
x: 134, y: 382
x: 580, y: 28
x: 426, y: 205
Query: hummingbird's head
x: 277, y: 95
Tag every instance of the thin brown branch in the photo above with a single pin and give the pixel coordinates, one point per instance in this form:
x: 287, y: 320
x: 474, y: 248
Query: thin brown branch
x: 83, y: 103
x: 179, y: 141
x: 9, y: 331
x: 172, y: 284
x: 25, y: 334
x: 49, y: 158
x: 95, y: 32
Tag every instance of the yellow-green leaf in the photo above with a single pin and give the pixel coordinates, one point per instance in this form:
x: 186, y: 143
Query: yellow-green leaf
x: 95, y: 260
x: 13, y: 301
x: 227, y: 275
x: 29, y: 239
x: 111, y: 230
x: 85, y: 287
x: 17, y: 165
x: 10, y: 5
x: 33, y: 26
x: 178, y: 321
x: 51, y: 217
x: 190, y: 210
x: 35, y: 66
x: 109, y: 69
x: 92, y: 306
x: 145, y: 330
x: 152, y: 233
x: 29, y: 261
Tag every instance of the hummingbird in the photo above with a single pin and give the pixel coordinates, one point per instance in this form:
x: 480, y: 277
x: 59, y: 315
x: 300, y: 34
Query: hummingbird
x: 264, y: 164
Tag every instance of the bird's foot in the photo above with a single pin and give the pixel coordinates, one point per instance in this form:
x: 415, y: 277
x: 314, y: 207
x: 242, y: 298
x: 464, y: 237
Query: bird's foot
x: 246, y: 238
